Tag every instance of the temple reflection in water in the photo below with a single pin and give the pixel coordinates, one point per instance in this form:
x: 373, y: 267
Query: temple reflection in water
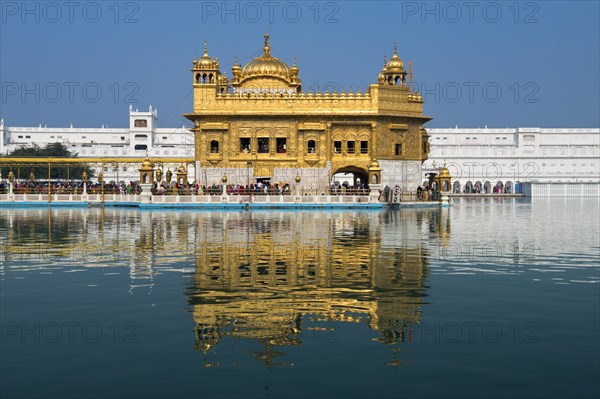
x: 275, y: 277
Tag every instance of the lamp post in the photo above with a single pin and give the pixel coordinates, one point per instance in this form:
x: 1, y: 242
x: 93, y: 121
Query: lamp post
x: 84, y: 177
x: 224, y: 180
x: 11, y: 179
x: 101, y: 181
x: 49, y: 184
x: 248, y: 164
x: 298, y: 179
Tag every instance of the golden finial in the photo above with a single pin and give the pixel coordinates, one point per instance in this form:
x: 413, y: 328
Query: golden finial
x: 267, y: 47
x: 384, y: 61
x: 395, y: 50
x: 294, y: 61
x: 205, y: 48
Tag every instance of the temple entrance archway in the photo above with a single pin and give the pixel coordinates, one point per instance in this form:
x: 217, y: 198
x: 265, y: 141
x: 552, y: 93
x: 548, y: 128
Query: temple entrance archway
x: 350, y: 177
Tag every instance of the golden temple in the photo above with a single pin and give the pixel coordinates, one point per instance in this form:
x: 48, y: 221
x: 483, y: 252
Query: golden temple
x: 260, y: 124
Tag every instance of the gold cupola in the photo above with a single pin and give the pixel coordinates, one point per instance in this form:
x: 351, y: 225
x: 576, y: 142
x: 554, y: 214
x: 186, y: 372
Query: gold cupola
x: 205, y: 71
x: 267, y: 73
x: 381, y: 76
x: 395, y: 64
x: 393, y: 72
x: 206, y: 62
x: 236, y: 71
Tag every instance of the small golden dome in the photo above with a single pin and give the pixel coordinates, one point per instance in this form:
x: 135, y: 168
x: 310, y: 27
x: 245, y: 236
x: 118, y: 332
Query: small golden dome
x: 236, y: 66
x: 206, y: 62
x: 294, y: 68
x: 445, y: 172
x: 147, y: 164
x: 374, y: 166
x: 395, y: 64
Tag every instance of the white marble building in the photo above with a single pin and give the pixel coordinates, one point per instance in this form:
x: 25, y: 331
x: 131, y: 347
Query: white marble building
x: 143, y: 137
x: 480, y: 159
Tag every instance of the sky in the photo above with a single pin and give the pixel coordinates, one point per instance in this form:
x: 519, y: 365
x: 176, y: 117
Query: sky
x: 476, y: 63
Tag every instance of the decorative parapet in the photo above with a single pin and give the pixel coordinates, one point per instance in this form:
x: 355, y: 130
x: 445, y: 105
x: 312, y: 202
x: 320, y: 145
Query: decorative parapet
x: 376, y: 100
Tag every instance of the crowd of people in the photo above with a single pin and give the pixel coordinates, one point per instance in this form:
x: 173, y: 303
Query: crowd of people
x: 346, y: 189
x: 71, y: 187
x: 477, y: 189
x: 424, y: 193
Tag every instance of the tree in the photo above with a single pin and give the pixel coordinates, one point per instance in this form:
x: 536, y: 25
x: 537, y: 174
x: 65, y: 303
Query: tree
x: 53, y: 150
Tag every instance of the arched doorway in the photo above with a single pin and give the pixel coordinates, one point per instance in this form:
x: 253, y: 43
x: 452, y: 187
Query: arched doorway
x: 456, y: 187
x: 349, y: 179
x: 499, y: 189
x: 508, y: 188
x: 469, y: 187
x: 487, y: 187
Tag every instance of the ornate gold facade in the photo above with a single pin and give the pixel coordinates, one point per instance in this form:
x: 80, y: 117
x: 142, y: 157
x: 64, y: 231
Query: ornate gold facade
x: 260, y: 123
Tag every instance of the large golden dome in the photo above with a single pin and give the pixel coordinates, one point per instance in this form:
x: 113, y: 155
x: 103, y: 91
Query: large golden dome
x: 266, y: 66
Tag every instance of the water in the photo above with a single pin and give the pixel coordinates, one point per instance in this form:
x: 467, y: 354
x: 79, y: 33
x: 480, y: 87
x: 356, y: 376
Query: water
x: 489, y: 298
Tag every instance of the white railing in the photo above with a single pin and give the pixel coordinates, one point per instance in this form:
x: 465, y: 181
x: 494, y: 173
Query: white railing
x: 190, y: 199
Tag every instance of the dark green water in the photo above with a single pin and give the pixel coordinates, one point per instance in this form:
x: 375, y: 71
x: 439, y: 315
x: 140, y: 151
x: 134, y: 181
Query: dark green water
x: 495, y: 298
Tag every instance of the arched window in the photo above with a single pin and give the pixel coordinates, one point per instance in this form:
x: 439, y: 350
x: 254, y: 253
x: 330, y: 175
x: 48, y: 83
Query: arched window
x: 203, y: 78
x: 197, y: 78
x: 210, y: 78
x: 214, y: 147
x: 396, y: 80
x: 311, y: 147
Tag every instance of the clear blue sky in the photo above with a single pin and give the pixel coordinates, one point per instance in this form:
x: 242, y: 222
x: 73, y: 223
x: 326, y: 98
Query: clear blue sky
x: 503, y: 63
